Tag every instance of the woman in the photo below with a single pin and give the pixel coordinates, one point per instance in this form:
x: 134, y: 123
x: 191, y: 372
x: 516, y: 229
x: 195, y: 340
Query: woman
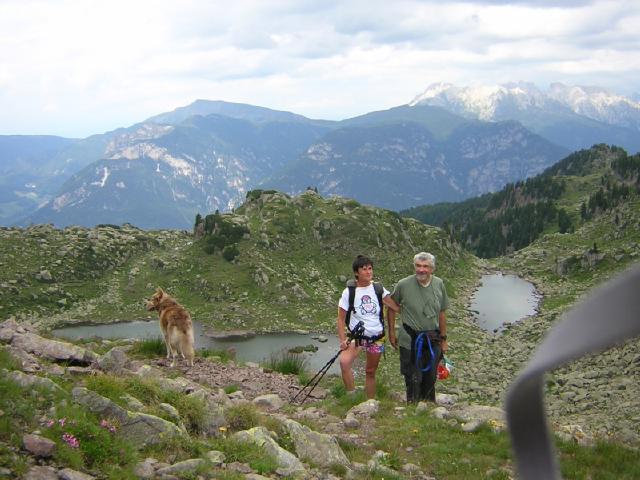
x: 360, y: 324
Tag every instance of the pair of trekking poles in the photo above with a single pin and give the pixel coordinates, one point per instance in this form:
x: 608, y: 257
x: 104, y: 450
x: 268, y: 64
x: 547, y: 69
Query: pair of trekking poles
x: 357, y: 332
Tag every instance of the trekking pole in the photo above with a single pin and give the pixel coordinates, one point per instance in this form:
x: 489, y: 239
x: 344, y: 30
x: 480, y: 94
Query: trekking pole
x: 358, y: 331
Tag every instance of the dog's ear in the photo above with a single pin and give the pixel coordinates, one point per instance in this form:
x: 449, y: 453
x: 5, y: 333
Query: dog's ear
x: 159, y: 291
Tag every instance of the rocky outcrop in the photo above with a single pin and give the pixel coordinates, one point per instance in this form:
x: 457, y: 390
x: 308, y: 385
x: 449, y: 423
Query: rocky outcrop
x: 53, y: 349
x: 319, y: 448
x: 261, y: 437
x: 139, y: 428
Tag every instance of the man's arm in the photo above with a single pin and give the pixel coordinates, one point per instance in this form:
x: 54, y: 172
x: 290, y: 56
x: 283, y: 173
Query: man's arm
x: 391, y: 320
x: 442, y: 325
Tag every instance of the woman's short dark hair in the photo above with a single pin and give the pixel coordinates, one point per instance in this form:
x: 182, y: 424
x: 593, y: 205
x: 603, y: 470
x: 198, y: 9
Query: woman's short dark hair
x: 361, y: 261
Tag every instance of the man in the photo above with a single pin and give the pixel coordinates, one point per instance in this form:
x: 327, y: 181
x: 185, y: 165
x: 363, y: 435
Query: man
x: 367, y: 313
x: 423, y: 337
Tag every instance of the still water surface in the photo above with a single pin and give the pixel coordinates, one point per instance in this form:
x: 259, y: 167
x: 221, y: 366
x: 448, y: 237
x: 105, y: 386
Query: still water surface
x: 500, y: 299
x: 503, y: 299
x: 256, y: 349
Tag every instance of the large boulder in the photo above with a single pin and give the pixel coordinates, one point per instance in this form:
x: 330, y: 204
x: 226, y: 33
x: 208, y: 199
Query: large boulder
x: 139, y: 428
x: 261, y: 437
x: 320, y: 448
x: 269, y: 402
x: 38, y: 446
x: 53, y: 349
x: 28, y: 381
x: 114, y: 361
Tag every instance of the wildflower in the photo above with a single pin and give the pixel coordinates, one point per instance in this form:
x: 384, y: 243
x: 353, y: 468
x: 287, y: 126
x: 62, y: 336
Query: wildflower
x: 105, y: 424
x: 50, y: 423
x: 62, y: 421
x: 72, y: 441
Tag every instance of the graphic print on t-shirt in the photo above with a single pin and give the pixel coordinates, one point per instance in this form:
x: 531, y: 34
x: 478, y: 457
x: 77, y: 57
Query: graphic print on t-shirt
x: 367, y: 305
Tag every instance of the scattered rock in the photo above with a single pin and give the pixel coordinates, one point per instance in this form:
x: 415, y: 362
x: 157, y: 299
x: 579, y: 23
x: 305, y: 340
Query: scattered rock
x: 33, y: 380
x: 41, y: 473
x: 145, y: 470
x: 261, y: 437
x: 53, y: 349
x: 180, y: 468
x: 139, y: 428
x: 215, y: 457
x: 269, y: 402
x: 320, y: 448
x: 69, y: 474
x: 114, y: 361
x: 366, y: 409
x: 38, y: 446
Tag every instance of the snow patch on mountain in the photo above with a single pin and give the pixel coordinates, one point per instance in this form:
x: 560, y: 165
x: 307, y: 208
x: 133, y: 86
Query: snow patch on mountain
x: 598, y: 104
x: 495, y: 102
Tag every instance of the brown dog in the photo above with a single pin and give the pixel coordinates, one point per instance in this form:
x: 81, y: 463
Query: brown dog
x: 176, y: 326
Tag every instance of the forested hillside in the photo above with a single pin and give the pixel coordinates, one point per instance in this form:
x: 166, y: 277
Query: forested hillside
x: 571, y: 192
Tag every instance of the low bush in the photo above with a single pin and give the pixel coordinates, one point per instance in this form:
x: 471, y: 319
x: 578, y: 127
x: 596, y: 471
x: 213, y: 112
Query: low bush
x: 286, y: 362
x: 149, y: 347
x: 242, y: 416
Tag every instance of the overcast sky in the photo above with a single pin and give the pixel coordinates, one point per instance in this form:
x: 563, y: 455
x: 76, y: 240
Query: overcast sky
x: 79, y: 67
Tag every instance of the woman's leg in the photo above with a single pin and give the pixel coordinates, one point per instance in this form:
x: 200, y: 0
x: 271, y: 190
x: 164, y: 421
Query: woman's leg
x: 370, y: 373
x: 347, y: 358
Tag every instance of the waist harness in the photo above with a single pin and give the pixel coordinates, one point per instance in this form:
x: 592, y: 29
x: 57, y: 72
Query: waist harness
x: 418, y: 353
x: 377, y: 287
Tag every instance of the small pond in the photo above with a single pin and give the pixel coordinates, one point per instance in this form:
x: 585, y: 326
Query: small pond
x: 253, y: 349
x: 503, y: 299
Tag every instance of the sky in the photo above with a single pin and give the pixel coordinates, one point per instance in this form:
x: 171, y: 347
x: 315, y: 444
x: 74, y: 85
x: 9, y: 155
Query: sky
x: 75, y: 68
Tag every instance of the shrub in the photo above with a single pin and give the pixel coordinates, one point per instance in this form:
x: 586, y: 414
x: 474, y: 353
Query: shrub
x: 286, y: 362
x: 256, y: 457
x: 223, y: 355
x: 149, y: 347
x: 231, y: 388
x: 242, y: 416
x: 230, y: 252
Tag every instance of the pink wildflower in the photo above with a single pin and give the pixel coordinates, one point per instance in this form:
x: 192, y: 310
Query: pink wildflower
x: 62, y: 421
x: 72, y: 441
x: 105, y: 424
x: 50, y: 423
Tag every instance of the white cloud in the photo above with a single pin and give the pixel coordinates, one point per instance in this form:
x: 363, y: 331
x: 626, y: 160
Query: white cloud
x: 77, y: 67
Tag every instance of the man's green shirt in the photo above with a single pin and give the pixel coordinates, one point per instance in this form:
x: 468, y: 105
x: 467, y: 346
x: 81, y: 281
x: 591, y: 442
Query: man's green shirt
x: 421, y: 306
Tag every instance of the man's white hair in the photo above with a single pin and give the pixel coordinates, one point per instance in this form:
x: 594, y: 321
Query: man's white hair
x: 425, y: 257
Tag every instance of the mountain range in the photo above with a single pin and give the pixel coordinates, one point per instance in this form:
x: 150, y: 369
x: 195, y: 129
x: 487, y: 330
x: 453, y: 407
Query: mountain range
x: 570, y: 116
x: 448, y: 144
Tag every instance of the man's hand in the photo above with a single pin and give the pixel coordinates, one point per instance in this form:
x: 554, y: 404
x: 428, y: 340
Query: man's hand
x: 393, y: 340
x: 343, y: 344
x: 445, y: 346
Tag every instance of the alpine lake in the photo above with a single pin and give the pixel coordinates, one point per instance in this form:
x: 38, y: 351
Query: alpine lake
x: 500, y: 300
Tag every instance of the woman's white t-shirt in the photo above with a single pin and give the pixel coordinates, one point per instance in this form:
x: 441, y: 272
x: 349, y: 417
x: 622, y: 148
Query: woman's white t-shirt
x: 367, y: 309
